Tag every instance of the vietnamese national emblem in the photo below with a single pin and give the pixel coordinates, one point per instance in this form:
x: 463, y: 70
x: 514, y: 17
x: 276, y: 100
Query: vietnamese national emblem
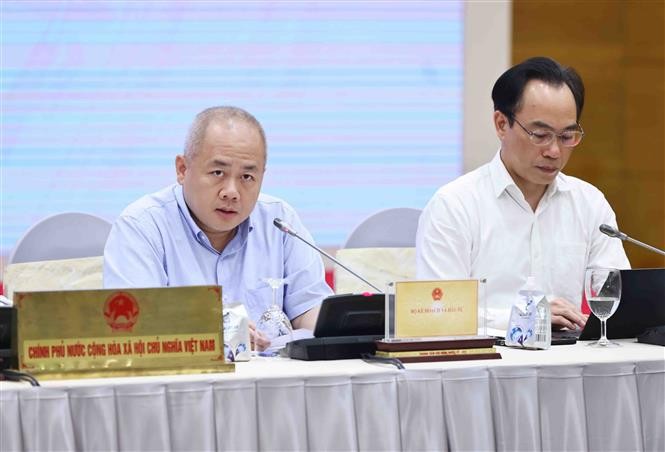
x: 121, y: 311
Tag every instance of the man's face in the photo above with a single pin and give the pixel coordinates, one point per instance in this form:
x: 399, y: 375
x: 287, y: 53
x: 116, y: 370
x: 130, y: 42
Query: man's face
x: 222, y: 180
x: 543, y: 107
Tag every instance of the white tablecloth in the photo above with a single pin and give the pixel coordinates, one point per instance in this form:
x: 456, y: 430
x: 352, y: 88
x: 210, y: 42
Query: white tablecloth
x: 567, y: 398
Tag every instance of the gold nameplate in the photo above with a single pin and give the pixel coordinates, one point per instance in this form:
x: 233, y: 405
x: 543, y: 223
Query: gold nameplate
x: 111, y: 332
x: 436, y: 308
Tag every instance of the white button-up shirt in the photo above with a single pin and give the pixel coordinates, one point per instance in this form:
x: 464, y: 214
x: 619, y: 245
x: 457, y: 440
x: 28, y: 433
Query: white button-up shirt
x: 481, y: 226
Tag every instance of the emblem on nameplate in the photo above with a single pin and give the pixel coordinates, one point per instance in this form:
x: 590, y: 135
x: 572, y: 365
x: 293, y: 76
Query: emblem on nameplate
x: 121, y: 311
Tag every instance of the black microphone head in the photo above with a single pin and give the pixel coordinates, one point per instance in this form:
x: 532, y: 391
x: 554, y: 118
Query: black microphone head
x: 608, y: 230
x: 283, y: 226
x: 612, y: 232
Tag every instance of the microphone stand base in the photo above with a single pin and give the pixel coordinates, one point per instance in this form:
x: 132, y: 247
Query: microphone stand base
x: 327, y: 348
x: 654, y: 336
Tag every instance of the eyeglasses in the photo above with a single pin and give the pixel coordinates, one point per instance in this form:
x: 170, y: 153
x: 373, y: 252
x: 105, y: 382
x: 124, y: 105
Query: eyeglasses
x: 545, y: 137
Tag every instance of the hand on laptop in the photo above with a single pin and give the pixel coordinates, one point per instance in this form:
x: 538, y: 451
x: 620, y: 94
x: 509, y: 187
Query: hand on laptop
x: 257, y: 339
x: 566, y: 315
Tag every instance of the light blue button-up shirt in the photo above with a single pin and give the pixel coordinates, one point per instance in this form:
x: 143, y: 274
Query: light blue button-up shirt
x: 156, y: 243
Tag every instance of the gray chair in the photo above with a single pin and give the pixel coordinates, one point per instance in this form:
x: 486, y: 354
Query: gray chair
x: 66, y: 235
x: 389, y: 228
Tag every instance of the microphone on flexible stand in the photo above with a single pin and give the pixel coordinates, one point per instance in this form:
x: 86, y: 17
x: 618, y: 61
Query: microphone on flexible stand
x: 615, y: 233
x: 347, y: 326
x: 286, y: 228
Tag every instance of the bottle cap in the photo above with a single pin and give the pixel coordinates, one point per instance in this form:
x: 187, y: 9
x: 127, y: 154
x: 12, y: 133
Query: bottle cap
x: 531, y: 283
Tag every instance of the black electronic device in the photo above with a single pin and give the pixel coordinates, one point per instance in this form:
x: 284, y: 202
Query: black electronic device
x: 351, y: 315
x: 654, y: 336
x: 8, y: 356
x: 641, y: 308
x: 327, y: 348
x: 565, y: 337
x: 347, y: 327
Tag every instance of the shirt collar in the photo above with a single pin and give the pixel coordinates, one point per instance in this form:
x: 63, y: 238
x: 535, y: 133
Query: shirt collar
x: 501, y: 178
x: 184, y: 211
x: 499, y: 175
x: 236, y: 243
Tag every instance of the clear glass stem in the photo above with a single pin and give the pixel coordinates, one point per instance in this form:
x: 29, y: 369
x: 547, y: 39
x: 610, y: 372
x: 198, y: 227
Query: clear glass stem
x: 603, y: 332
x: 274, y: 296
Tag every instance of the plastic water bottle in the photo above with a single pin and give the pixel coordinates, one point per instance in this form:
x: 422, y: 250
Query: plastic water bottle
x: 530, y: 318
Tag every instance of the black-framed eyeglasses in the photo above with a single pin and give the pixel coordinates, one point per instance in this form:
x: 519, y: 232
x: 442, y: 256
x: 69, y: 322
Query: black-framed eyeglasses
x: 545, y: 137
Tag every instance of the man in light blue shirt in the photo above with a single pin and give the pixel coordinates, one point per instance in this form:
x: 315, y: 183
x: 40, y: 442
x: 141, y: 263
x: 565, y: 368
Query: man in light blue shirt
x: 214, y: 227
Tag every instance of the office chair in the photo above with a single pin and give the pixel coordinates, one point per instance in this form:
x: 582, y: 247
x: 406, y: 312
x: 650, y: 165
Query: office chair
x: 62, y: 236
x: 389, y: 228
x: 381, y: 248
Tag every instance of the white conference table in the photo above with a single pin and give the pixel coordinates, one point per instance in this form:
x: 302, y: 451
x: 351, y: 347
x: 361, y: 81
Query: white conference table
x: 567, y: 398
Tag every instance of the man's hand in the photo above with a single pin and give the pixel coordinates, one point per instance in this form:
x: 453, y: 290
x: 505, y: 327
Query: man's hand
x: 566, y: 315
x: 256, y: 338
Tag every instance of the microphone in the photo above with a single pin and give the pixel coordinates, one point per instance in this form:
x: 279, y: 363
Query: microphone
x: 615, y: 233
x: 610, y: 231
x: 287, y: 229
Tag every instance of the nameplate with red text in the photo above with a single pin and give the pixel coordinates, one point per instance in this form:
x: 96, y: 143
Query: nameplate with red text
x: 436, y: 308
x: 92, y: 333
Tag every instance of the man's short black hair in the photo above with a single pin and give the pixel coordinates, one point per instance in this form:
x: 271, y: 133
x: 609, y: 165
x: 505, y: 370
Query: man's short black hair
x: 509, y: 88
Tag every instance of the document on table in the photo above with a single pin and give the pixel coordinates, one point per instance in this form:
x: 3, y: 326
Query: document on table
x: 280, y: 342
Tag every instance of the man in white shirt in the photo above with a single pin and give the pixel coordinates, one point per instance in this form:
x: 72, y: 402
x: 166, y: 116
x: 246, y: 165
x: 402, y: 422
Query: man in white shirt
x: 519, y: 215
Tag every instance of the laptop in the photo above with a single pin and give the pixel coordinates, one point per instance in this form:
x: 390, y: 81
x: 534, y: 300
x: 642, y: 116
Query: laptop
x: 642, y: 306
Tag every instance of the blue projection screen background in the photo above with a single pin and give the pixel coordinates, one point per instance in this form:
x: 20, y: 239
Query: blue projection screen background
x: 361, y: 101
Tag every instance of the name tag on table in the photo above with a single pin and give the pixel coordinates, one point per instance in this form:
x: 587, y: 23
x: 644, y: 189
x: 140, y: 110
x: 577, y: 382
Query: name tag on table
x: 96, y: 333
x: 435, y: 308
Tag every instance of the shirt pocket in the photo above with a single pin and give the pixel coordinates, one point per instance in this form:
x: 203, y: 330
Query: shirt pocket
x: 569, y: 262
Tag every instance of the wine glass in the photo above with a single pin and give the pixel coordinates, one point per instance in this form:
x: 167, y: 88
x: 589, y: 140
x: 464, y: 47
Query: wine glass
x: 602, y: 288
x: 273, y: 322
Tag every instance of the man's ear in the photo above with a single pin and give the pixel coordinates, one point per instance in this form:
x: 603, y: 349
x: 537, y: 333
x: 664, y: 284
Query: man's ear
x: 500, y: 124
x: 180, y: 168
